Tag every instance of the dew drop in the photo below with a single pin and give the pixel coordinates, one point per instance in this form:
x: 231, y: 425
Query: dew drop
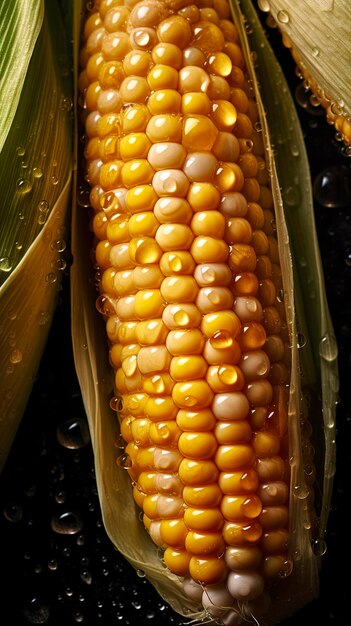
x: 228, y: 375
x: 105, y: 305
x: 264, y: 5
x: 86, y: 577
x: 54, y: 179
x: 37, y: 172
x: 221, y: 339
x: 13, y: 512
x: 181, y: 318
x: 124, y: 461
x: 286, y: 569
x: 301, y: 492
x: 291, y: 196
x: 43, y: 318
x: 319, y: 547
x: 315, y: 52
x: 36, y: 612
x: 332, y: 187
x: 68, y: 523
x: 52, y: 565
x: 16, y: 356
x: 301, y: 340
x: 59, y: 245
x: 190, y: 401
x: 283, y: 17
x: 23, y: 185
x: 5, y: 264
x: 51, y: 277
x: 20, y: 151
x: 328, y: 348
x: 73, y: 434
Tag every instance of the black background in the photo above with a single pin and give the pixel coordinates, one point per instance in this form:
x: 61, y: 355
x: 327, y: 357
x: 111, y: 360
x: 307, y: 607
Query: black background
x: 58, y: 565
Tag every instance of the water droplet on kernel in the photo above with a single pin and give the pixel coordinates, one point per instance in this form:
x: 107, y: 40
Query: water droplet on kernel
x: 181, y: 318
x: 221, y: 339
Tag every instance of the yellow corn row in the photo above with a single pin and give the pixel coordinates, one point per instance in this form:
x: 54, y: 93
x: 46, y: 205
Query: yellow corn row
x: 192, y: 293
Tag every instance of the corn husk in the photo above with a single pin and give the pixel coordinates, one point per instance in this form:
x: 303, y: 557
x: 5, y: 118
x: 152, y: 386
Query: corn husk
x: 318, y: 35
x: 307, y: 314
x: 35, y: 174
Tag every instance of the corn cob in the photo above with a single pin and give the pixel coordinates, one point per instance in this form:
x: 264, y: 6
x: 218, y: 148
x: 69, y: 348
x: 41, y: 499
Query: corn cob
x: 191, y: 292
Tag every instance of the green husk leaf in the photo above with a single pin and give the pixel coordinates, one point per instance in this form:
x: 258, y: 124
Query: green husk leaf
x: 35, y: 175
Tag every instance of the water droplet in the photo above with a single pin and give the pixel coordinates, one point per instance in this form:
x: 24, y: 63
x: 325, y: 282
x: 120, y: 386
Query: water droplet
x: 294, y: 150
x: 36, y: 612
x: 23, y: 185
x: 20, y: 151
x: 59, y: 245
x: 301, y: 491
x: 319, y: 547
x: 124, y: 461
x: 140, y: 573
x: 67, y: 523
x: 52, y: 565
x: 190, y: 401
x: 83, y: 197
x: 5, y: 264
x: 37, y: 172
x: 286, y: 569
x: 54, y: 179
x: 16, y: 356
x: 301, y: 340
x: 283, y: 17
x: 105, y: 305
x: 258, y: 127
x: 73, y: 434
x: 13, y: 512
x: 328, y: 348
x: 221, y: 339
x: 86, y: 577
x: 181, y: 318
x: 332, y: 187
x: 264, y: 5
x: 315, y: 52
x: 291, y: 196
x: 51, y: 277
x: 66, y: 103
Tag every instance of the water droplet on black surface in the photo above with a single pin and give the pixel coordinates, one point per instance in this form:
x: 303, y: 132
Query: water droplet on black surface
x: 13, y: 512
x: 73, y: 434
x: 67, y: 523
x: 332, y: 187
x: 36, y: 612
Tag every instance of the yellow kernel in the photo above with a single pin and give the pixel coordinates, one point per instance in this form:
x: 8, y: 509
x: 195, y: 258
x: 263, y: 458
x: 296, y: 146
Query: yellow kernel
x: 222, y: 378
x: 207, y: 571
x: 197, y: 473
x: 92, y: 23
x: 208, y: 14
x: 177, y: 561
x: 111, y: 75
x: 142, y: 224
x: 127, y: 333
x: 194, y: 445
x: 173, y: 210
x: 208, y: 37
x: 167, y: 54
x: 225, y: 321
x: 111, y: 174
x: 109, y: 148
x: 252, y: 190
x: 243, y: 558
x: 162, y: 408
x: 252, y: 336
x: 148, y: 303
x: 238, y: 431
x: 184, y: 315
x: 136, y: 172
x: 135, y: 118
x: 102, y: 254
x: 203, y: 196
x: 239, y: 482
x: 125, y: 307
x: 174, y: 532
x: 172, y: 182
x: 196, y: 103
x: 242, y: 258
x: 164, y: 433
x: 157, y: 384
x: 140, y: 198
x: 226, y: 147
x: 134, y: 89
x: 179, y: 262
x: 153, y: 359
x: 137, y: 63
x: 218, y: 88
x: 234, y: 52
x: 194, y: 57
x: 266, y: 444
x: 94, y: 64
x: 116, y: 18
x: 239, y: 533
x: 195, y: 394
x: 232, y: 457
x: 210, y: 250
x: 204, y: 543
x: 117, y: 230
x: 195, y: 420
x: 165, y: 127
x: 174, y: 236
x: 115, y: 46
x: 239, y: 507
x: 164, y: 101
x: 220, y: 64
x: 144, y: 250
x: 134, y: 146
x: 193, y: 79
x: 267, y: 292
x: 109, y: 124
x: 176, y: 30
x: 91, y: 150
x: 151, y: 332
x: 210, y: 519
x: 217, y: 355
x: 181, y: 342
x: 162, y: 77
x: 92, y: 94
x: 199, y: 133
x: 199, y: 497
x: 223, y: 114
x: 179, y: 289
x: 208, y: 223
x: 245, y: 283
x: 229, y: 178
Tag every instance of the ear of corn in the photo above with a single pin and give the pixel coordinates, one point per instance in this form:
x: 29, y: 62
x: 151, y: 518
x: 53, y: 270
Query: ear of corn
x: 303, y: 27
x: 35, y: 175
x: 196, y: 285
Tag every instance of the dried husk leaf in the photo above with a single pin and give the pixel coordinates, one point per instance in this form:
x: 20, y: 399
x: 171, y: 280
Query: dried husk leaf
x: 120, y: 513
x: 318, y: 33
x: 35, y: 175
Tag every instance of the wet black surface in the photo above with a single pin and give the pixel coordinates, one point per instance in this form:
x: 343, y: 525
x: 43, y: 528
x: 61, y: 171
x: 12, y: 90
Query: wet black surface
x: 58, y: 566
